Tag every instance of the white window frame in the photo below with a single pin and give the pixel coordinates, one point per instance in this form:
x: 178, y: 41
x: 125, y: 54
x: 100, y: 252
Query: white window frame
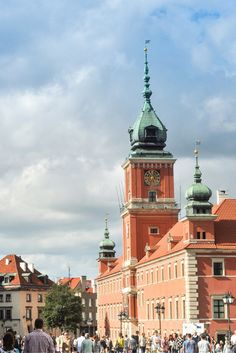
x: 162, y: 274
x: 176, y: 270
x: 153, y: 228
x: 170, y: 309
x: 182, y: 268
x: 221, y: 260
x: 151, y: 277
x: 183, y: 311
x: 169, y: 272
x: 177, y: 308
x: 218, y: 297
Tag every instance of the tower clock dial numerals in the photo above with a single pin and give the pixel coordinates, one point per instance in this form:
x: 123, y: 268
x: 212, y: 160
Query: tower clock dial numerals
x: 152, y: 177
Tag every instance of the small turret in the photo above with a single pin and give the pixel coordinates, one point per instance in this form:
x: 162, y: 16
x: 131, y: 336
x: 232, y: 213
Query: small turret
x: 198, y: 194
x: 106, y: 245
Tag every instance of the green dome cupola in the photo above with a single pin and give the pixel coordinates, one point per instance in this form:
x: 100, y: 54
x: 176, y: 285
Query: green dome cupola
x: 198, y: 194
x: 148, y: 134
x: 106, y: 245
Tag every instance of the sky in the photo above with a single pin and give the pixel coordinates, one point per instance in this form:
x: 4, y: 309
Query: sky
x: 71, y: 81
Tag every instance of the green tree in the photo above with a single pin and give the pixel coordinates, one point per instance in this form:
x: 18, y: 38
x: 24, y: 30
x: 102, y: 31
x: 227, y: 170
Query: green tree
x: 62, y: 308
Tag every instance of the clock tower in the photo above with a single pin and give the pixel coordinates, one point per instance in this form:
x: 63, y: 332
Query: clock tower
x: 149, y: 209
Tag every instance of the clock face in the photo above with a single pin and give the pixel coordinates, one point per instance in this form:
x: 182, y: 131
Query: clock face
x: 152, y: 177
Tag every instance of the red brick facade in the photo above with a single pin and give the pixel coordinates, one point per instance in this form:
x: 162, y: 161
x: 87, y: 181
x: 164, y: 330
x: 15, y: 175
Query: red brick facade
x: 186, y: 265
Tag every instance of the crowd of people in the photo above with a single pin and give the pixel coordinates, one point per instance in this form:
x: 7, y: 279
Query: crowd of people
x: 174, y: 343
x: 39, y: 341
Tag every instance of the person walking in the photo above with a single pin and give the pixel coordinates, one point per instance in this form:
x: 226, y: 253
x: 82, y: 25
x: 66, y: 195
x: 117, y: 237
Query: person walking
x: 142, y: 343
x: 133, y: 344
x: 38, y: 341
x: 189, y: 345
x: 155, y: 342
x: 96, y: 344
x: 79, y: 342
x: 87, y: 345
x: 8, y: 342
x: 120, y: 343
x: 126, y: 344
x: 67, y: 343
x: 233, y: 342
x: 227, y: 346
x: 203, y: 345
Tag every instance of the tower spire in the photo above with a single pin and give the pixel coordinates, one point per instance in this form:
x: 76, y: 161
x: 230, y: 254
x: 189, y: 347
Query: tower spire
x: 198, y: 173
x: 106, y: 232
x: 148, y: 134
x: 146, y: 92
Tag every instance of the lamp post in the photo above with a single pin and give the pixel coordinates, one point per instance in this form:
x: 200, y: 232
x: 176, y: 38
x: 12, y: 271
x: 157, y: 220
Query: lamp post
x: 123, y: 315
x: 160, y: 309
x: 228, y: 299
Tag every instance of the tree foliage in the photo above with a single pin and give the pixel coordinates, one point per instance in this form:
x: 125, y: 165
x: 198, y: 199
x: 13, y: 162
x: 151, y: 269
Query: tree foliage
x: 62, y: 308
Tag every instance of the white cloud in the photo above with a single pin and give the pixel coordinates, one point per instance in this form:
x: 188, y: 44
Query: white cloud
x: 70, y: 88
x: 220, y: 113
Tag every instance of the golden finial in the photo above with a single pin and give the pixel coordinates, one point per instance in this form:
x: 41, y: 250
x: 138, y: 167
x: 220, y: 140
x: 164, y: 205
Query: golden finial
x: 146, y: 42
x: 196, y: 150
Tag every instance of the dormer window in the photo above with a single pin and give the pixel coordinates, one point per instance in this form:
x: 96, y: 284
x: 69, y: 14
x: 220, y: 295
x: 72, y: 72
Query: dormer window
x: 150, y: 133
x: 43, y: 278
x: 6, y: 279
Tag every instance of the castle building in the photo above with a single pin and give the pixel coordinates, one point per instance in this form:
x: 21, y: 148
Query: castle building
x: 171, y: 272
x: 23, y: 290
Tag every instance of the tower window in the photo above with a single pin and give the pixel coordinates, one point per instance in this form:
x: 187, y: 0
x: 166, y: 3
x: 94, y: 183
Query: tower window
x: 203, y: 235
x: 198, y: 235
x: 151, y: 133
x: 152, y: 196
x: 153, y: 230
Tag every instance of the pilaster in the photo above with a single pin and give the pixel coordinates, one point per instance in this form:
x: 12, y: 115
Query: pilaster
x: 191, y: 288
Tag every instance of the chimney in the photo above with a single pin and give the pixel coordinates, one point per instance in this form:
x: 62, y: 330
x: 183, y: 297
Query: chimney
x: 31, y: 267
x: 221, y: 195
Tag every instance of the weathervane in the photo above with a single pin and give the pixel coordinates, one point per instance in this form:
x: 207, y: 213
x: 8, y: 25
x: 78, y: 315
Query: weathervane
x: 106, y: 219
x: 196, y: 150
x: 147, y: 41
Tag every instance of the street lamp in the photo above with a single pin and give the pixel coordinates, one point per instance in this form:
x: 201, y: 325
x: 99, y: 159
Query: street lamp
x: 123, y: 315
x: 228, y: 299
x: 160, y: 309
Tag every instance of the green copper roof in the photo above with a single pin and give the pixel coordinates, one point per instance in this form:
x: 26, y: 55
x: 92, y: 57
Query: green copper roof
x: 148, y: 132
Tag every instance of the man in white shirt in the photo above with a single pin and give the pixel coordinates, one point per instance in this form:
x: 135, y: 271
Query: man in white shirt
x: 203, y: 345
x: 79, y: 342
x: 233, y: 342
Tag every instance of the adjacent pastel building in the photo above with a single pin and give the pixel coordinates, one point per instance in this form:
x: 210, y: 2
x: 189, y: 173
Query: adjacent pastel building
x: 86, y: 290
x: 22, y: 294
x: 185, y: 266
